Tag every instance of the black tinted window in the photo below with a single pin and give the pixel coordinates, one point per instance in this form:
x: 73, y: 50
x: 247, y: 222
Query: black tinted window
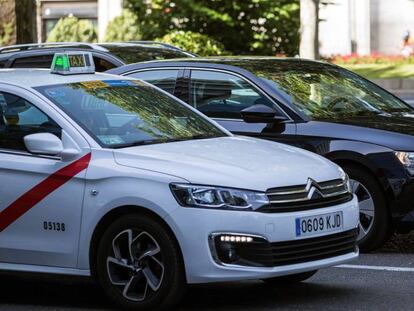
x: 223, y: 95
x: 41, y: 61
x: 164, y: 79
x: 19, y: 118
x: 102, y: 65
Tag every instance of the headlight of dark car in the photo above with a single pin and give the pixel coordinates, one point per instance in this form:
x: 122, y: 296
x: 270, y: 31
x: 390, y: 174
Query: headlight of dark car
x: 406, y: 159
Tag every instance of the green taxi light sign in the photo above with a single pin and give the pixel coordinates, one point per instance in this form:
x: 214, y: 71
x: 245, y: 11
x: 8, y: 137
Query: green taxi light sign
x: 72, y: 63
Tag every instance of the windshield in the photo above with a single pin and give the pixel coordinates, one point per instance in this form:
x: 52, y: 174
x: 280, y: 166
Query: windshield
x: 323, y: 91
x: 123, y: 113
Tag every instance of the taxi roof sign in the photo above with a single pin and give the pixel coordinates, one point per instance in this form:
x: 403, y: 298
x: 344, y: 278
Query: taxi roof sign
x: 72, y: 63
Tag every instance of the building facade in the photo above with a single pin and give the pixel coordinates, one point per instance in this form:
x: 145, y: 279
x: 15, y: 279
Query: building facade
x: 365, y: 26
x: 99, y: 12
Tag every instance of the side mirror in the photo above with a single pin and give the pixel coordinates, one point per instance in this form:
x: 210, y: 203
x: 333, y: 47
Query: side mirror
x: 261, y: 114
x: 43, y: 143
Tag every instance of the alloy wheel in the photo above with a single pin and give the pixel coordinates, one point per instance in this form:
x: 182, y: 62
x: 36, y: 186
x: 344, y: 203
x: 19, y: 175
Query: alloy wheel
x: 366, y: 208
x: 135, y: 265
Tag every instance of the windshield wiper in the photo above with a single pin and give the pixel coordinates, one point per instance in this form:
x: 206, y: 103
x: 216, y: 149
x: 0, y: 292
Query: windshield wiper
x: 161, y: 141
x: 202, y: 136
x: 137, y: 143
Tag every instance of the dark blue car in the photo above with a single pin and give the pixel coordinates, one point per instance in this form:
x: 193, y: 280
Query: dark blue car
x: 312, y: 105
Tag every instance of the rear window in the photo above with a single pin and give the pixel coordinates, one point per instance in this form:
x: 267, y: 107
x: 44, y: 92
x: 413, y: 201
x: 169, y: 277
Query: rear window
x: 40, y: 61
x: 101, y: 64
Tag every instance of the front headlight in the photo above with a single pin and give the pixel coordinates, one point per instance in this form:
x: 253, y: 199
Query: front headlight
x: 347, y: 183
x: 218, y: 198
x: 406, y: 159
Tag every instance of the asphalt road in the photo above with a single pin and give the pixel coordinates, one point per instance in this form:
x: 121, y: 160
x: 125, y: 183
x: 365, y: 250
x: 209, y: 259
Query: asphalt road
x: 380, y: 281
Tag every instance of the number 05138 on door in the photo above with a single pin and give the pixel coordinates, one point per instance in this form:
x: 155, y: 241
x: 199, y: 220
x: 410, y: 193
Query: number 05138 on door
x: 314, y: 225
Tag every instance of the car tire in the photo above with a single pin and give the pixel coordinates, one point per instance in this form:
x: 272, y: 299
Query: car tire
x: 373, y: 232
x: 139, y: 264
x: 290, y: 279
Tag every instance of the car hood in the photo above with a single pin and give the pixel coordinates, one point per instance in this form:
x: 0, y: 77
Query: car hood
x: 397, y: 129
x: 238, y: 162
x: 397, y: 122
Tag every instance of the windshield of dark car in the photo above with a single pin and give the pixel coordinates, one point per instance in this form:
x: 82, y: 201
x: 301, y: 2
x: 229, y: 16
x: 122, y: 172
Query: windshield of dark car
x: 324, y: 91
x: 123, y: 113
x: 135, y: 54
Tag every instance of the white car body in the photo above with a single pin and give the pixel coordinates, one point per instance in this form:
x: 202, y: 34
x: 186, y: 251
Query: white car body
x: 107, y: 180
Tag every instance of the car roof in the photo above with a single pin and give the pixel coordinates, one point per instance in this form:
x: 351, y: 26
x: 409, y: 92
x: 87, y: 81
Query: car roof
x: 234, y: 62
x: 143, y: 44
x: 236, y: 59
x: 30, y: 78
x: 13, y: 49
x: 119, y: 53
x: 85, y: 45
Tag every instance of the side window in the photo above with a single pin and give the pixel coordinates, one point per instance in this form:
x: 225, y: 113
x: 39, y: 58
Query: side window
x: 223, y: 95
x: 40, y: 61
x: 164, y: 79
x: 101, y: 64
x: 19, y: 118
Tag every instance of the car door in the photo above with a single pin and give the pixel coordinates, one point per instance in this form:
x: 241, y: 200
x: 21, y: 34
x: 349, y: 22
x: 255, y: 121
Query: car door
x: 223, y: 95
x: 40, y: 196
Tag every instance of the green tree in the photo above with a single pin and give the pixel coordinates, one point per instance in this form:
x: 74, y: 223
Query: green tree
x: 17, y: 21
x: 6, y: 33
x: 72, y: 29
x: 264, y: 27
x: 7, y: 22
x: 197, y: 43
x: 123, y: 28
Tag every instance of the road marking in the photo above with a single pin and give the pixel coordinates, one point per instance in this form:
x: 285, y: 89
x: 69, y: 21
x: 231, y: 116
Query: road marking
x: 378, y: 268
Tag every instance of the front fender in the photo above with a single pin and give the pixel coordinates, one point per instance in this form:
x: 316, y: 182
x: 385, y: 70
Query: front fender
x: 114, y: 193
x: 382, y: 163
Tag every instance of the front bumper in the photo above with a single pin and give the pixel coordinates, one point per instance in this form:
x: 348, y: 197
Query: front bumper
x: 402, y: 207
x: 193, y: 227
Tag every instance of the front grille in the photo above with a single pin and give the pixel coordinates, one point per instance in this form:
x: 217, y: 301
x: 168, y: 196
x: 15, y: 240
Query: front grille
x: 304, y: 197
x: 267, y: 254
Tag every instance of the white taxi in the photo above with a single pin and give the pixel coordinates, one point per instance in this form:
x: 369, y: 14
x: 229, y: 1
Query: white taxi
x: 113, y: 178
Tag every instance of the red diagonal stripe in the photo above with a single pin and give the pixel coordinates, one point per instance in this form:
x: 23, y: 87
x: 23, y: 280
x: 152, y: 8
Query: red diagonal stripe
x: 28, y: 200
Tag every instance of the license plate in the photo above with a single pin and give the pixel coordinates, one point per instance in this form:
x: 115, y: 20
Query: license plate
x: 313, y: 225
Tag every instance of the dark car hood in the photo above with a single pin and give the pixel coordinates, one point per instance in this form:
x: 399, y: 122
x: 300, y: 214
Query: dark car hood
x: 395, y: 131
x: 397, y: 122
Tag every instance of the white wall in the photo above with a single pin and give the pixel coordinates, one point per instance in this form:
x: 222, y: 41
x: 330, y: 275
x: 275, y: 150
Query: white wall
x: 360, y: 16
x: 334, y: 30
x: 107, y: 11
x: 345, y: 27
x: 389, y: 20
x: 365, y: 26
